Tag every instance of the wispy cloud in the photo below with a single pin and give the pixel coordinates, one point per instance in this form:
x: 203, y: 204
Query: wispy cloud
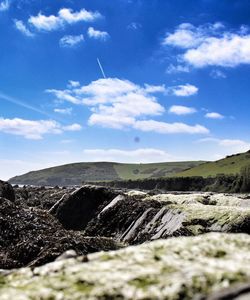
x: 20, y: 26
x: 170, y: 128
x: 172, y: 69
x: 64, y: 111
x: 97, y: 34
x: 141, y: 155
x: 71, y: 40
x: 64, y: 17
x: 119, y: 104
x: 134, y: 26
x: 4, y: 5
x: 210, y: 45
x: 217, y: 74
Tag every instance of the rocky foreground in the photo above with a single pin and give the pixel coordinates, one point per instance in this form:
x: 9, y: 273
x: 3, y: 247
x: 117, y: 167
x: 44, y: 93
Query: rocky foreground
x: 186, y: 246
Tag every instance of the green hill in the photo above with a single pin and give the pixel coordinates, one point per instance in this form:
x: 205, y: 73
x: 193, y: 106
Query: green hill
x: 75, y: 174
x: 230, y: 165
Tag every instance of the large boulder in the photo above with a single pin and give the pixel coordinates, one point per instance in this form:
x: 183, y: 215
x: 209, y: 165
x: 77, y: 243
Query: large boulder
x: 178, y: 268
x: 75, y: 210
x: 7, y: 191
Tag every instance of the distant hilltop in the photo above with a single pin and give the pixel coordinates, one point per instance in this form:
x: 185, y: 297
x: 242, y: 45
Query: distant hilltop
x: 75, y: 174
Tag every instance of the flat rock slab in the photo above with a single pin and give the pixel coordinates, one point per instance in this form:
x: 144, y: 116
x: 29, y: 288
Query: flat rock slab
x: 178, y: 268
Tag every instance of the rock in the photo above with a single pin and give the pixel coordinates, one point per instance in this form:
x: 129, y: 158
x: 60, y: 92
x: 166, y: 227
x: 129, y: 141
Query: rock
x: 74, y: 211
x: 7, y: 191
x: 136, y: 219
x: 66, y: 255
x: 239, y: 291
x: 39, y: 197
x: 178, y: 268
x: 30, y: 236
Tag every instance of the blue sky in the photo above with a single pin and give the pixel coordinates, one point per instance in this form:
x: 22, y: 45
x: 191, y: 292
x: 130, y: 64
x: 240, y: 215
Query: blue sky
x: 174, y: 86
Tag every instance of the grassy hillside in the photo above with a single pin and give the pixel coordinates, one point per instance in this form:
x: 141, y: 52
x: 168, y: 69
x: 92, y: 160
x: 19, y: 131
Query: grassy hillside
x: 230, y: 165
x: 75, y: 174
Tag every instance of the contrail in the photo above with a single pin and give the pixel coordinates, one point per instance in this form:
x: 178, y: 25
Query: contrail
x: 101, y: 68
x: 23, y: 104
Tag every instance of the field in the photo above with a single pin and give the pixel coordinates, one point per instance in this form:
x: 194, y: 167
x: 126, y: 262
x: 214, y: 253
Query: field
x: 230, y: 165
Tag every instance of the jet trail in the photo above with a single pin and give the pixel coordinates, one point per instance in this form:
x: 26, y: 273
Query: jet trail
x: 101, y: 68
x: 23, y: 104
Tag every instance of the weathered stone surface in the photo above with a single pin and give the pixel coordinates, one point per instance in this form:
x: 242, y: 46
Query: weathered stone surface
x: 74, y: 211
x: 39, y: 197
x: 30, y: 236
x: 134, y: 219
x: 7, y: 191
x: 178, y: 268
x: 240, y: 291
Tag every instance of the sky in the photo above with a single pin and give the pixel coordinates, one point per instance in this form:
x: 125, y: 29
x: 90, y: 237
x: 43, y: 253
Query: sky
x: 122, y: 80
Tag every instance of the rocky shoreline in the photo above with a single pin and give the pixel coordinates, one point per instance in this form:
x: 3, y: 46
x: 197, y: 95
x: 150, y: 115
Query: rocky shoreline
x: 160, y: 245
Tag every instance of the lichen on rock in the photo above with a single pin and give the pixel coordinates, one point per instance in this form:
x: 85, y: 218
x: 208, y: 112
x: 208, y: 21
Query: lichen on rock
x: 176, y: 268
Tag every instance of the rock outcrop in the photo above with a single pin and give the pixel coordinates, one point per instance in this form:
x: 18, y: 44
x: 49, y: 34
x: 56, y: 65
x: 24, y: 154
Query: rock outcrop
x: 75, y: 210
x: 6, y: 191
x: 174, y: 269
x: 30, y: 236
x: 138, y: 218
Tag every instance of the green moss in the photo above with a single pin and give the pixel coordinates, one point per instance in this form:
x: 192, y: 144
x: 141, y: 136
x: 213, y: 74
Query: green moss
x: 2, y: 281
x: 176, y: 268
x: 84, y: 286
x: 143, y: 282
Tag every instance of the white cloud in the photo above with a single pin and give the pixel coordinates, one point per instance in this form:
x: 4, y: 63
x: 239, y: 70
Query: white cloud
x: 63, y: 111
x: 65, y: 16
x: 227, y: 51
x: 71, y: 40
x: 72, y: 127
x: 70, y: 17
x: 120, y: 104
x: 170, y: 128
x: 143, y: 155
x: 185, y: 36
x: 97, y: 34
x: 210, y: 45
x: 183, y: 90
x: 22, y: 28
x: 111, y: 121
x: 46, y: 23
x: 231, y: 145
x: 214, y: 115
x: 34, y: 130
x: 155, y: 88
x: 181, y: 110
x: 4, y: 5
x: 65, y: 95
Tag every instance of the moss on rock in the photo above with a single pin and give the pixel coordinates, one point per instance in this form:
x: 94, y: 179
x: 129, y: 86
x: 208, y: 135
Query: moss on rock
x: 177, y: 268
